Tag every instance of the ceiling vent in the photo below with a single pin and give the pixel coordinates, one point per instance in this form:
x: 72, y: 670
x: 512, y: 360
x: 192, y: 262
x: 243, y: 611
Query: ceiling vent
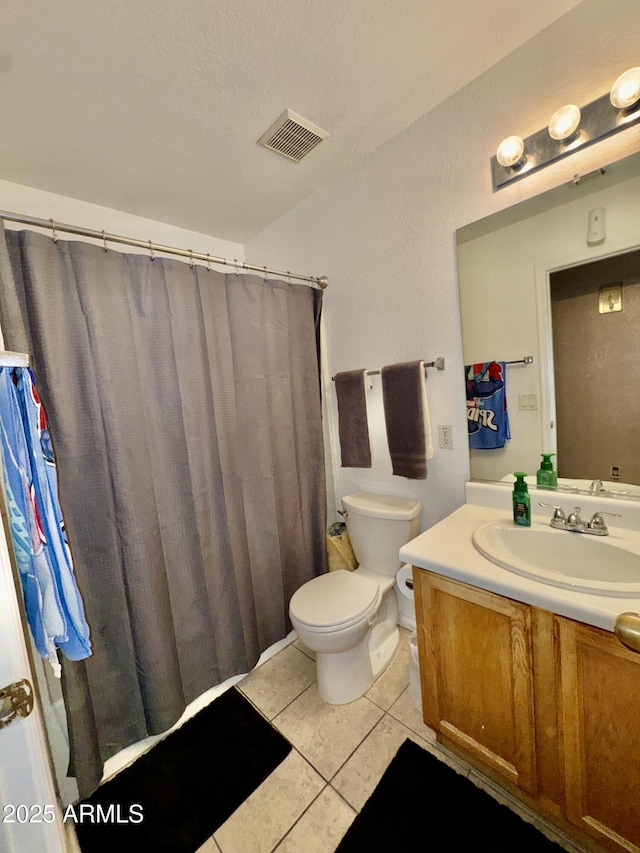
x: 292, y: 136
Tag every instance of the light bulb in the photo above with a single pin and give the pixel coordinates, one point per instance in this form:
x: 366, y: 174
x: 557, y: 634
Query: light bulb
x: 510, y: 152
x: 625, y: 92
x: 564, y: 122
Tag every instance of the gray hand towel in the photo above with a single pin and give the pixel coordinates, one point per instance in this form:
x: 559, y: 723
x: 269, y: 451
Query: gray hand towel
x: 404, y: 414
x: 353, y: 428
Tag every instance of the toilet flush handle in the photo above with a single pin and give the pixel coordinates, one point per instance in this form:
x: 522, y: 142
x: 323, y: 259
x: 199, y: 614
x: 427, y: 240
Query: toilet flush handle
x: 343, y: 513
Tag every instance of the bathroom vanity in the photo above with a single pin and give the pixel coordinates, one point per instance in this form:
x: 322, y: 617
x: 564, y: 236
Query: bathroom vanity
x: 526, y: 679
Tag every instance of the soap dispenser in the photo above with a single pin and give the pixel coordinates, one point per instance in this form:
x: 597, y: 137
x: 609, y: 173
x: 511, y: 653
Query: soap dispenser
x: 546, y: 477
x: 521, y: 501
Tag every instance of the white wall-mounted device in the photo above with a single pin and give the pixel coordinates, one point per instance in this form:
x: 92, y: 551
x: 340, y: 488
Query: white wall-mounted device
x: 596, y: 232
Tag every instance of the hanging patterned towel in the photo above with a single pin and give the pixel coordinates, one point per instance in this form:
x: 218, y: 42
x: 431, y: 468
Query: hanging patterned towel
x: 406, y: 417
x: 487, y: 416
x: 52, y: 601
x: 353, y: 428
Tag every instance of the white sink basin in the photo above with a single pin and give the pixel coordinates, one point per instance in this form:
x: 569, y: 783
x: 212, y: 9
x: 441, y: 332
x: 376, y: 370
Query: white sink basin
x: 576, y: 561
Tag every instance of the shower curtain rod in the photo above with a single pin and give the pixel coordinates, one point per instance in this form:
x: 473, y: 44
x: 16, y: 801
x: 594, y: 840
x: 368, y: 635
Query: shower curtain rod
x: 320, y: 281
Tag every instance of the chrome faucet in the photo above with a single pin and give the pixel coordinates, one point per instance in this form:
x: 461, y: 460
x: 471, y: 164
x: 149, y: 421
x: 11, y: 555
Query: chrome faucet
x: 598, y: 487
x: 575, y: 524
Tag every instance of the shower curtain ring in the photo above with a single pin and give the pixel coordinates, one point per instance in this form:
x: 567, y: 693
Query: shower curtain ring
x: 288, y: 277
x: 235, y: 262
x: 265, y: 275
x: 104, y: 240
x: 191, y: 258
x: 208, y: 263
x: 151, y: 255
x: 53, y: 231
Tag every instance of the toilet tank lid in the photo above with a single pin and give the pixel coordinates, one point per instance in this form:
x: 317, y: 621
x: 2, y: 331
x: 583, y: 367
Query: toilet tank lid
x: 381, y: 506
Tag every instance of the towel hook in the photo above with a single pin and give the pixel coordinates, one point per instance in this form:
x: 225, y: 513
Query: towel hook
x: 53, y: 231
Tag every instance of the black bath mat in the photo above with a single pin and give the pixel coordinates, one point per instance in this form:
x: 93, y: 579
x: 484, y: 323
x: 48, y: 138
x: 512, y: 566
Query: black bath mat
x: 422, y: 805
x: 187, y: 785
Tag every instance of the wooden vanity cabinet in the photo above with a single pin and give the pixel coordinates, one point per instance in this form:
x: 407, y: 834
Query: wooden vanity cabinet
x: 600, y: 721
x: 477, y: 688
x: 549, y: 705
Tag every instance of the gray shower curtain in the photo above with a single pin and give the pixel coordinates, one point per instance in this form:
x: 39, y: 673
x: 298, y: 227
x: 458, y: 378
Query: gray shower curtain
x: 184, y: 409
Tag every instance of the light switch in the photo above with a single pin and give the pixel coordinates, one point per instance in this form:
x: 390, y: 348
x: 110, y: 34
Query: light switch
x: 528, y: 402
x: 610, y: 298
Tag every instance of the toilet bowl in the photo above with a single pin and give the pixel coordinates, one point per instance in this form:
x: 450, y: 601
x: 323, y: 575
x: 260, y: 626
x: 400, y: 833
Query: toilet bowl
x: 406, y: 598
x: 350, y: 619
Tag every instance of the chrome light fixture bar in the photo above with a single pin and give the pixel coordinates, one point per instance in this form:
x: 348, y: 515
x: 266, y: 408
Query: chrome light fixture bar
x: 570, y: 129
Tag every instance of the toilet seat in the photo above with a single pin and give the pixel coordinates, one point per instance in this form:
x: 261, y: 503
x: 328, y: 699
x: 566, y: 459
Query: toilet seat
x: 335, y: 601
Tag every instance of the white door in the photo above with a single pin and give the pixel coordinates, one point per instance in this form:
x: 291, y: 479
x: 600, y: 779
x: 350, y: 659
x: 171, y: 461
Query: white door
x: 30, y: 819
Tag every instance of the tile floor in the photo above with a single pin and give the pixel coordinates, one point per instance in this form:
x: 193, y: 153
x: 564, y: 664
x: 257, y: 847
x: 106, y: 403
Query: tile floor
x: 340, y: 752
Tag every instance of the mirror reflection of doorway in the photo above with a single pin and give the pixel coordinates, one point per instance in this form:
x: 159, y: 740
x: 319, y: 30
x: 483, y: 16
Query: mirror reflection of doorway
x: 595, y: 311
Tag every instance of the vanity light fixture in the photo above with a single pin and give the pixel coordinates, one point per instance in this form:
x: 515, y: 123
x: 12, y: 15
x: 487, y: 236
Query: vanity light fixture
x: 570, y: 129
x: 510, y: 153
x: 625, y: 92
x: 564, y: 123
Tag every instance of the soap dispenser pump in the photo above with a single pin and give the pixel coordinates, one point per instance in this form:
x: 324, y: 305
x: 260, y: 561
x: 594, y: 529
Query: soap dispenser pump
x: 546, y: 477
x: 521, y: 501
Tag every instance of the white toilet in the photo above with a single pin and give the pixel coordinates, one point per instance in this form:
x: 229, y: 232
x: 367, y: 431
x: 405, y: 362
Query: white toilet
x: 350, y: 619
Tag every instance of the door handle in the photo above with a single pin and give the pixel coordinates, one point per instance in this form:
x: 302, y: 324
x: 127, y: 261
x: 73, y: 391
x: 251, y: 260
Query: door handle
x: 16, y: 700
x: 627, y: 630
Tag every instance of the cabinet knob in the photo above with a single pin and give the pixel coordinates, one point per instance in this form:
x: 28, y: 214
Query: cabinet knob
x: 627, y: 630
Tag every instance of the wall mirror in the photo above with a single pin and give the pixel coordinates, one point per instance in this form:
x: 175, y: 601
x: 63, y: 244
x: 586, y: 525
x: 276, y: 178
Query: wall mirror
x: 535, y: 281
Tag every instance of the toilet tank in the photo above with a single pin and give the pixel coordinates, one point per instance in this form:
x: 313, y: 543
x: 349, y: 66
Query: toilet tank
x: 378, y: 526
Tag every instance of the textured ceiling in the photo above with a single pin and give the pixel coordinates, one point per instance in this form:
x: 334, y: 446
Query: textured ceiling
x: 154, y: 108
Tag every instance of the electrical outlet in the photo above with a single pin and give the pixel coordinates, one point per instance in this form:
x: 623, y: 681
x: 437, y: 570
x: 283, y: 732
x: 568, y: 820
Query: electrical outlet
x: 445, y: 438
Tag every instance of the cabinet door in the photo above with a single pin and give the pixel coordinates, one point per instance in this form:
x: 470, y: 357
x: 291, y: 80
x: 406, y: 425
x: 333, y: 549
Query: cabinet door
x: 600, y: 702
x: 476, y: 673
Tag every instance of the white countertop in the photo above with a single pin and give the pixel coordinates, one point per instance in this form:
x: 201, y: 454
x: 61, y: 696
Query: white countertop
x: 447, y: 549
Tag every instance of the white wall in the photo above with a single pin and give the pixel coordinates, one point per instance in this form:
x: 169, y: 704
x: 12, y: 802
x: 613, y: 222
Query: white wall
x: 497, y: 275
x: 16, y: 198
x: 384, y: 232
